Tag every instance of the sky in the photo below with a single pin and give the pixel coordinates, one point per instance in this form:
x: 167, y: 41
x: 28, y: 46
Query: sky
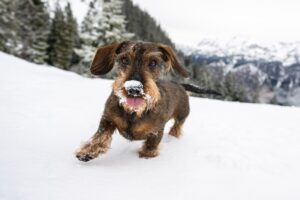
x: 189, y: 21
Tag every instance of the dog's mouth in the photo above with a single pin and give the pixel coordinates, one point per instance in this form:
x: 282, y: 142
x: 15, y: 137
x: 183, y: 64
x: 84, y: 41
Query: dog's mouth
x: 135, y: 102
x: 132, y: 95
x: 135, y: 93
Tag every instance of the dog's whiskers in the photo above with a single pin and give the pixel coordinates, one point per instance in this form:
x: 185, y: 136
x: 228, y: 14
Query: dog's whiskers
x: 122, y: 98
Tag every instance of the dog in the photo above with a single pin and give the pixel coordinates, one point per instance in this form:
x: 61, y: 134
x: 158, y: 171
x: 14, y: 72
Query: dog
x: 141, y: 103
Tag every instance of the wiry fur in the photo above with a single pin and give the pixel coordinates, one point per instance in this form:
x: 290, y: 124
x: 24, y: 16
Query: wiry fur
x: 163, y: 100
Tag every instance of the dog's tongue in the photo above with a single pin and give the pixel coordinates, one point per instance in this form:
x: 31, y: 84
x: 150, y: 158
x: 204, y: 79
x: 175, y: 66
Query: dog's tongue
x: 134, y: 101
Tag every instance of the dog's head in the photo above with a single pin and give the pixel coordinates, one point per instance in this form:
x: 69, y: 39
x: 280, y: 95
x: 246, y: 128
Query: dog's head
x: 139, y: 65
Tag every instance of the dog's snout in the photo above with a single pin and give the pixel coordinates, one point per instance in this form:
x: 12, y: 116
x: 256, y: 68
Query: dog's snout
x: 134, y: 88
x: 136, y: 77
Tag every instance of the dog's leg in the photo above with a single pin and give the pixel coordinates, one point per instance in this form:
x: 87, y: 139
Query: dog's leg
x: 181, y: 113
x: 151, y: 146
x: 176, y: 129
x: 99, y: 143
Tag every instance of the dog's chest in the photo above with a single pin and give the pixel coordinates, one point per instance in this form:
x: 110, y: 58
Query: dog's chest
x: 134, y: 128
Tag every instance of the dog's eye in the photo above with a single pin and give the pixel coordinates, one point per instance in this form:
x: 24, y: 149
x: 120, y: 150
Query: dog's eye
x: 124, y: 61
x: 152, y: 63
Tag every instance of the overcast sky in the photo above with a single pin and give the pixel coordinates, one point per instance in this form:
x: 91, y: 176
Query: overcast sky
x: 189, y: 21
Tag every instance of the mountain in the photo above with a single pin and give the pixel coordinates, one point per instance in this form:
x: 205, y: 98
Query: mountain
x: 228, y: 150
x: 276, y: 65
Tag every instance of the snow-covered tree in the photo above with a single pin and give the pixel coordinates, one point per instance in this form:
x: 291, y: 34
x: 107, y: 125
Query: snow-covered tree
x: 34, y: 22
x: 8, y: 26
x: 112, y: 26
x: 103, y: 24
x: 89, y: 33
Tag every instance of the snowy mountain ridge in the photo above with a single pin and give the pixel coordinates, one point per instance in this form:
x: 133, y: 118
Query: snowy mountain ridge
x: 286, y: 52
x: 276, y: 65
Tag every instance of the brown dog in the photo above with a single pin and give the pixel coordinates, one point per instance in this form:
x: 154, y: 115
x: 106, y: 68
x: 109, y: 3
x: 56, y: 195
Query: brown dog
x: 141, y: 103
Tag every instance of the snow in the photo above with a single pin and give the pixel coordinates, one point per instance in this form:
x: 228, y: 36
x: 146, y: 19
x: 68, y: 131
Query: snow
x: 132, y: 84
x: 228, y: 150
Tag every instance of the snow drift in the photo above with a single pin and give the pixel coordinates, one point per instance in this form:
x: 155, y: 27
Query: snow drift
x: 228, y: 150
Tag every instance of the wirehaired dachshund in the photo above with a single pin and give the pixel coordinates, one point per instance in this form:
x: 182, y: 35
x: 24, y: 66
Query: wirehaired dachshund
x: 141, y: 103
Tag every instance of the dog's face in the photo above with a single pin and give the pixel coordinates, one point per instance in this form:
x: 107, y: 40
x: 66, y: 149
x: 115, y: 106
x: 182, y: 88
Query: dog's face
x: 139, y: 65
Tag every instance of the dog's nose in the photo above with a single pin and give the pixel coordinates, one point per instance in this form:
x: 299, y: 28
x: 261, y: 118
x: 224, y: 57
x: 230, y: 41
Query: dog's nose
x: 135, y: 92
x: 134, y: 88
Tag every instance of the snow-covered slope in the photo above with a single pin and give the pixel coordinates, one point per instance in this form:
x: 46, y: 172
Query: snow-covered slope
x: 228, y: 150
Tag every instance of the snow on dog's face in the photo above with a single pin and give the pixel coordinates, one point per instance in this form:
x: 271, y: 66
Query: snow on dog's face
x: 132, y: 96
x: 138, y: 66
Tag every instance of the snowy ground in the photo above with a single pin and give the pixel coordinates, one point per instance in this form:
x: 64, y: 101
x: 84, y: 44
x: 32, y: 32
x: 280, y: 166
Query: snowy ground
x: 228, y: 151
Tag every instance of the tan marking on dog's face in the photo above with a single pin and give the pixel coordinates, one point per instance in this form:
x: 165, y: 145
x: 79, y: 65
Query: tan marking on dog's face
x: 152, y: 90
x: 118, y: 85
x: 142, y: 60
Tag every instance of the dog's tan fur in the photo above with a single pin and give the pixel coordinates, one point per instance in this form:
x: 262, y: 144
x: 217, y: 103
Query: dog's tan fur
x: 163, y: 100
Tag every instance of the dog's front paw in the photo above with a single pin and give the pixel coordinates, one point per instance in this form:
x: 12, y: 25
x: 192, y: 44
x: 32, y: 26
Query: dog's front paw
x: 86, y: 153
x: 146, y: 153
x: 90, y: 151
x: 84, y: 157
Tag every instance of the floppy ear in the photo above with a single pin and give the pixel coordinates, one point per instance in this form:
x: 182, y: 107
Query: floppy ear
x: 104, y: 58
x: 170, y: 57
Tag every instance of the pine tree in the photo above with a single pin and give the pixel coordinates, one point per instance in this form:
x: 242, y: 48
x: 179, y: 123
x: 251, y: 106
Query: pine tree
x: 42, y: 25
x: 89, y: 34
x: 101, y: 28
x: 112, y: 26
x: 8, y: 26
x: 203, y: 76
x: 71, y: 32
x: 62, y: 38
x: 233, y: 90
x: 56, y: 39
x: 34, y: 29
x: 90, y: 23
